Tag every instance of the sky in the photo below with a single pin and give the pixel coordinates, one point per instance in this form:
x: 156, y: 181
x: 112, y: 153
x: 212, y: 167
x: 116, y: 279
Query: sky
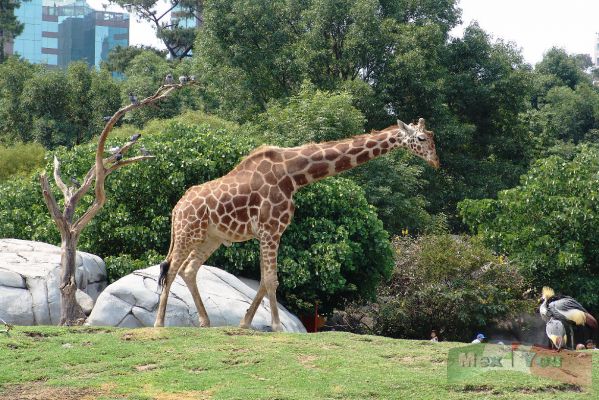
x: 533, y: 25
x: 536, y: 25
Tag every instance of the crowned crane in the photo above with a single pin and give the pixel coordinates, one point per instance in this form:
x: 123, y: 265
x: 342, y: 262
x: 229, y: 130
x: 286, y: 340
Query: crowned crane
x: 557, y: 333
x: 565, y: 309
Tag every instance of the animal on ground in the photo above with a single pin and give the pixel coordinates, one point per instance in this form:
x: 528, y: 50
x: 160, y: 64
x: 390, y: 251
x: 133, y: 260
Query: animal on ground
x: 567, y: 310
x: 556, y: 332
x: 255, y: 201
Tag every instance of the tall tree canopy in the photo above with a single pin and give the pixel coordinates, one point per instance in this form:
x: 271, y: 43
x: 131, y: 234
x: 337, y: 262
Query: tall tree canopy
x: 175, y: 33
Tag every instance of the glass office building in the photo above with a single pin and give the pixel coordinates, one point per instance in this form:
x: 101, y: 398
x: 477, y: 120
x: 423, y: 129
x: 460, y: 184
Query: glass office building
x: 57, y: 32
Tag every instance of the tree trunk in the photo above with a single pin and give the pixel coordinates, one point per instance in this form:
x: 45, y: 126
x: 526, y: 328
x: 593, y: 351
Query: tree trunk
x: 70, y: 311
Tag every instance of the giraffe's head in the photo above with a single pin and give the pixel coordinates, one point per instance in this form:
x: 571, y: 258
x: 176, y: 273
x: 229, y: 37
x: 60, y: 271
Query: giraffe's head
x: 419, y: 141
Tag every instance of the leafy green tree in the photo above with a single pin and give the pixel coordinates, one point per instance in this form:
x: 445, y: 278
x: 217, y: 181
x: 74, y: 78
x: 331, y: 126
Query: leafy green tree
x: 245, y: 54
x: 14, y: 123
x: 120, y: 57
x: 569, y: 114
x: 336, y: 248
x: 483, y: 143
x: 177, y: 38
x: 568, y: 70
x: 549, y: 223
x: 46, y: 97
x: 54, y: 107
x: 452, y: 284
x: 251, y: 52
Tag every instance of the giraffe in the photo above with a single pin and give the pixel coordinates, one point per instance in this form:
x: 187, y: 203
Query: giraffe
x: 255, y: 200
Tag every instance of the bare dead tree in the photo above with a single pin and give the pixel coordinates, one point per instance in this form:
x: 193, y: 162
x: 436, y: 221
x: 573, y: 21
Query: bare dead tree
x: 70, y: 228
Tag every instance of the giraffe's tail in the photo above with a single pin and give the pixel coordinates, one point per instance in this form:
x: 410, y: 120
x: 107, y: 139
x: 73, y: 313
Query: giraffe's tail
x: 165, y: 265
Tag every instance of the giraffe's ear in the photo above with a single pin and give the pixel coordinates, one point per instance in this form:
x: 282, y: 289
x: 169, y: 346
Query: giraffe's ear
x: 402, y: 125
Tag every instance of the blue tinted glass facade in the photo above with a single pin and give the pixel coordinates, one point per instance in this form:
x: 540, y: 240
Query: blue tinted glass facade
x: 57, y: 32
x: 111, y: 30
x: 29, y: 43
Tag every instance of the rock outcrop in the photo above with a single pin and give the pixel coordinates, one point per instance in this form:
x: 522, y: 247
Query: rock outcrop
x: 132, y: 301
x: 29, y: 279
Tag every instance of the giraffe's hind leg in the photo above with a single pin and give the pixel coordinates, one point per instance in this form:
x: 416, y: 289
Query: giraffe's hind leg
x: 180, y: 256
x: 189, y: 272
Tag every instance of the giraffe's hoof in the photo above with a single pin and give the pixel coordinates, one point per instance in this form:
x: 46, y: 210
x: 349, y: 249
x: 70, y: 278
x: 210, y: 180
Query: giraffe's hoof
x: 277, y: 327
x: 244, y: 325
x: 158, y: 325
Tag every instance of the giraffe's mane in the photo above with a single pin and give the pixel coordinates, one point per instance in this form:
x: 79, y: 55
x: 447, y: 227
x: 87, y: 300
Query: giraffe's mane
x: 260, y: 150
x: 335, y: 142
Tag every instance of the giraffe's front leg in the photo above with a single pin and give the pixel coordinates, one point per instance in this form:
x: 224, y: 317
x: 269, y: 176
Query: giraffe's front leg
x: 269, y: 247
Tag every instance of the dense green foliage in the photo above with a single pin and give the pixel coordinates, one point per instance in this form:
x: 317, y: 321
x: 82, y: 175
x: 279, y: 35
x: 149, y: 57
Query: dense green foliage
x: 54, y: 107
x: 336, y: 248
x: 449, y: 283
x: 120, y: 57
x: 549, y: 223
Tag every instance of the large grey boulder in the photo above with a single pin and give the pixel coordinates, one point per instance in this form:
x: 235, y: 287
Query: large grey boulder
x: 29, y: 279
x: 132, y: 301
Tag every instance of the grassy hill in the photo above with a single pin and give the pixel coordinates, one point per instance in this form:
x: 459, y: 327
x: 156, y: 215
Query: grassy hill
x: 181, y: 363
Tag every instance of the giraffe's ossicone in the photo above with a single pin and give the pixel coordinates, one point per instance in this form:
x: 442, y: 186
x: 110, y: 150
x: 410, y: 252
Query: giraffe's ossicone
x: 255, y: 200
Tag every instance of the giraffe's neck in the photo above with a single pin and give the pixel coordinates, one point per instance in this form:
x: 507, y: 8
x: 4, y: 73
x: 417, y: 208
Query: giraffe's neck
x: 318, y: 161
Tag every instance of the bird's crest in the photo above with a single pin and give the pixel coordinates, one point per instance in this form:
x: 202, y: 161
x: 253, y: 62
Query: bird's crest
x: 547, y: 292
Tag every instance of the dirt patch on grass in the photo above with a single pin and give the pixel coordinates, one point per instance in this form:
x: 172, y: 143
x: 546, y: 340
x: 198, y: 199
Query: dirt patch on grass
x: 40, y: 391
x: 566, y: 387
x: 145, y: 334
x: 38, y: 335
x: 240, y: 332
x: 146, y: 367
x: 89, y: 329
x: 307, y: 361
x: 193, y: 395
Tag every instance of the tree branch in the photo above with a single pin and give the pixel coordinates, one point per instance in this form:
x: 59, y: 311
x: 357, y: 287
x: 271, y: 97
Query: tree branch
x: 52, y: 205
x: 122, y: 163
x: 57, y: 178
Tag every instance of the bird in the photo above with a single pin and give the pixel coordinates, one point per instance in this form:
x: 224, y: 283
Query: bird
x: 107, y: 118
x: 192, y: 78
x: 169, y: 80
x: 556, y: 332
x: 133, y: 98
x: 135, y: 137
x: 566, y: 309
x: 182, y: 80
x: 118, y: 157
x: 144, y: 152
x: 75, y: 182
x: 114, y: 150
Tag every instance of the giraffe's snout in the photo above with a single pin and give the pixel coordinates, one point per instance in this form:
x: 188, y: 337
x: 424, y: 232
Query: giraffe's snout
x: 434, y: 162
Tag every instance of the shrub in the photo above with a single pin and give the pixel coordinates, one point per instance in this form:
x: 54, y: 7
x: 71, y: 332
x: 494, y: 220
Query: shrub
x: 20, y: 159
x: 449, y: 283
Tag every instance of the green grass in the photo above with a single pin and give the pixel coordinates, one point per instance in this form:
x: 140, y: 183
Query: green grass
x: 186, y: 363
